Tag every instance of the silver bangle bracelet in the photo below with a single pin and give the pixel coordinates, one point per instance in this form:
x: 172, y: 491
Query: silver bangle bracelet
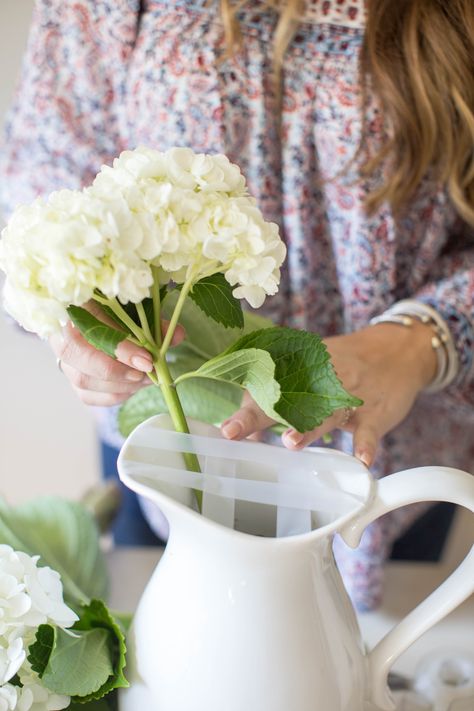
x: 403, y: 313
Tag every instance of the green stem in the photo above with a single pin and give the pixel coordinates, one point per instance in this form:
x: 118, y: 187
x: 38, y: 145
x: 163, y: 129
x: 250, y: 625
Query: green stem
x: 144, y: 323
x: 176, y: 314
x: 120, y: 312
x: 155, y: 292
x: 177, y: 415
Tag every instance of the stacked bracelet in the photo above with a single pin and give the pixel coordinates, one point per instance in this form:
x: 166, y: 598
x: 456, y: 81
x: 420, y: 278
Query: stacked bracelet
x: 404, y: 313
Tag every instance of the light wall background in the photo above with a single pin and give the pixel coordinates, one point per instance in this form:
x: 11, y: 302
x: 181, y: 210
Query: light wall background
x: 47, y: 437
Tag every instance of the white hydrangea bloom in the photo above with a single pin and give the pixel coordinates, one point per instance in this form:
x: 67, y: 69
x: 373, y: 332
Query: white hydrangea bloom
x: 29, y: 596
x: 186, y: 213
x: 40, y: 314
x: 8, y: 697
x: 12, y: 654
x: 197, y: 218
x: 14, y: 602
x: 44, y: 588
x: 58, y: 252
x: 179, y: 167
x: 33, y: 696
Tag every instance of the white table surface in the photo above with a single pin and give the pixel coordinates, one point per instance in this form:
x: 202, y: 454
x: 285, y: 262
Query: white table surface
x: 406, y: 585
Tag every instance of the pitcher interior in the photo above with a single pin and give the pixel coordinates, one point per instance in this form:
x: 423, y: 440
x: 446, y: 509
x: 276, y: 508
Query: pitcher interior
x: 255, y: 488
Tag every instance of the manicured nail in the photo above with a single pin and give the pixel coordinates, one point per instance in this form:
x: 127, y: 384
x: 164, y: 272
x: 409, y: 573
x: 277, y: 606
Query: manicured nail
x: 142, y: 363
x: 294, y: 437
x: 232, y: 430
x: 134, y: 376
x: 364, y: 456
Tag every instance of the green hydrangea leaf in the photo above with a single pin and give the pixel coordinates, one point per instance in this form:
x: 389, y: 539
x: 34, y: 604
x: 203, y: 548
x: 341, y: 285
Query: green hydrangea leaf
x: 211, y: 401
x: 87, y: 661
x: 65, y: 536
x: 109, y: 703
x: 96, y: 616
x: 206, y: 400
x: 40, y: 651
x: 252, y: 369
x: 310, y: 388
x: 213, y: 295
x: 77, y: 663
x: 204, y: 336
x: 98, y: 334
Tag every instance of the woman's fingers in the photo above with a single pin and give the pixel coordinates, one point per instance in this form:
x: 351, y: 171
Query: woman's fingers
x: 134, y: 380
x: 178, y: 334
x: 97, y: 378
x: 100, y: 399
x: 341, y: 419
x: 76, y: 352
x: 366, y: 439
x: 365, y: 431
x: 134, y: 356
x: 246, y: 421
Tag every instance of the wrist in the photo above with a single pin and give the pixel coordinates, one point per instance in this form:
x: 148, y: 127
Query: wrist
x: 412, y: 349
x: 411, y: 315
x: 424, y: 354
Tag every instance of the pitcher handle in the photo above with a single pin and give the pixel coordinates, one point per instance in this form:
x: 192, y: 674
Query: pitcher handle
x: 408, y: 487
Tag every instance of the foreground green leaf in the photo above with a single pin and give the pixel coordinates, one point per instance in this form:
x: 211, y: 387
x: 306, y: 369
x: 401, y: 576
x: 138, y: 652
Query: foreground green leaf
x: 96, y: 616
x: 204, y: 336
x: 65, y: 537
x: 87, y: 661
x: 109, y: 703
x: 206, y: 400
x: 97, y: 333
x: 213, y: 295
x: 40, y: 651
x: 78, y: 663
x: 252, y: 369
x: 310, y: 388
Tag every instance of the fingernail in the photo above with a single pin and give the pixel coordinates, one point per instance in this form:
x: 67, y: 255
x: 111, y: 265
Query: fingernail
x: 142, y: 363
x: 134, y: 376
x: 294, y: 437
x: 232, y: 430
x: 363, y: 456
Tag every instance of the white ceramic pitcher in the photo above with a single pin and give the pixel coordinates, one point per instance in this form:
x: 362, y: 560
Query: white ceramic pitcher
x: 247, y: 621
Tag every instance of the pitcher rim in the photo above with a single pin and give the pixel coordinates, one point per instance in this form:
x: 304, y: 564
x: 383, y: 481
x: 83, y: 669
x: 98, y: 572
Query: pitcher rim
x: 166, y: 502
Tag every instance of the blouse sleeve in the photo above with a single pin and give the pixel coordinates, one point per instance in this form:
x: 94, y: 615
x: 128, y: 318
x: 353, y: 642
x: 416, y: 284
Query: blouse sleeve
x: 451, y: 292
x: 63, y: 123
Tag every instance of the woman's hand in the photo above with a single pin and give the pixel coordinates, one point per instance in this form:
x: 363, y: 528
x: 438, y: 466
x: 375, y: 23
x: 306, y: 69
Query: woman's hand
x: 97, y: 378
x: 386, y: 365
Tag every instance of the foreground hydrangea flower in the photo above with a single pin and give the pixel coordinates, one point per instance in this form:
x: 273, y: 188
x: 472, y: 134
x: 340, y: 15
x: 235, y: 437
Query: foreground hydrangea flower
x: 57, y: 252
x: 8, y: 697
x: 29, y: 596
x: 202, y: 219
x: 187, y: 214
x: 33, y: 696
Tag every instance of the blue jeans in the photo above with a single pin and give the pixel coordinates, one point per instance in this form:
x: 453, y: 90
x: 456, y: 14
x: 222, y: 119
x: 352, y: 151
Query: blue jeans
x: 130, y: 528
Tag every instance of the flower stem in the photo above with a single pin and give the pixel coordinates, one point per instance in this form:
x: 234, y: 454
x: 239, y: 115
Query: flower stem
x: 176, y: 314
x: 177, y: 415
x: 144, y: 323
x: 155, y: 292
x: 120, y: 312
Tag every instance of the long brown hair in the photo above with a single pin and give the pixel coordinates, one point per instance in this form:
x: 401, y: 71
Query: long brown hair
x: 418, y: 59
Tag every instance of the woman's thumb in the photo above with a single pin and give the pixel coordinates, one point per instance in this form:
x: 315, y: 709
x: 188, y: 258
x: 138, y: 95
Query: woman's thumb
x: 249, y: 419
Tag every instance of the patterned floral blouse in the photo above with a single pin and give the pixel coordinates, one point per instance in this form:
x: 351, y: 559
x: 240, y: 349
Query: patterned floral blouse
x: 100, y: 76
